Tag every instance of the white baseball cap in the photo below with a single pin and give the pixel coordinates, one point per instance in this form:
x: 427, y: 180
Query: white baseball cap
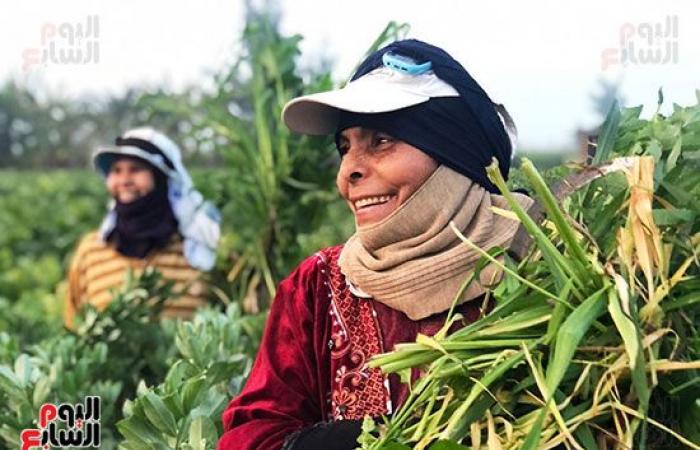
x: 198, y: 219
x: 153, y: 146
x: 381, y: 90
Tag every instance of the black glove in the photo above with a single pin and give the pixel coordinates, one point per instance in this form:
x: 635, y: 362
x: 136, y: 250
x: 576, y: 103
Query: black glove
x: 338, y: 435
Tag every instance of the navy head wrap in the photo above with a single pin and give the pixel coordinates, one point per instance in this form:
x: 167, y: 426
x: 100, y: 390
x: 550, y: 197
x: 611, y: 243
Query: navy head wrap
x: 463, y: 133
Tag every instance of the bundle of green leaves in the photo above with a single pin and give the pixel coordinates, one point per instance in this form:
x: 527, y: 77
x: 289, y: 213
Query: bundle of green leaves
x: 592, y: 341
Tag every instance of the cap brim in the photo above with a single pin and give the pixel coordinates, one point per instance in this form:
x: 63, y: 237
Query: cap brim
x: 104, y: 156
x: 318, y: 114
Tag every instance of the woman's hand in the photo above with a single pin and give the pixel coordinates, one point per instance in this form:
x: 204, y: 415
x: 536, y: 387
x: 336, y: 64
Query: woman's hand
x: 338, y: 435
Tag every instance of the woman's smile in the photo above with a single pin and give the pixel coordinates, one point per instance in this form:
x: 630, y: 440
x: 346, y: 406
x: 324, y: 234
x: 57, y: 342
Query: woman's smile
x: 374, y: 208
x: 129, y: 179
x: 378, y: 173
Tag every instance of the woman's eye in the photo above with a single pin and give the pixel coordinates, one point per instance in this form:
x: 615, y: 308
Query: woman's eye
x: 383, y: 139
x: 342, y: 149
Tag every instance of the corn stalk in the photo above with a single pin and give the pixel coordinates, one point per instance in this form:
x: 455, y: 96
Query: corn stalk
x: 593, y: 338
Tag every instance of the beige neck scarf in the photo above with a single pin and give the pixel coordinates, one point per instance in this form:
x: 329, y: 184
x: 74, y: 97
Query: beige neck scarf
x: 413, y: 262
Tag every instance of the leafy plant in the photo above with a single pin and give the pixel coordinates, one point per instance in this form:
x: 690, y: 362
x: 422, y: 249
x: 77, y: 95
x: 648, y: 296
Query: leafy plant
x: 108, y: 354
x: 215, y: 354
x: 592, y: 341
x: 33, y: 249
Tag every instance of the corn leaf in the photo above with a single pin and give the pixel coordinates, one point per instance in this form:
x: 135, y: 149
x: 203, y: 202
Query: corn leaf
x: 570, y: 334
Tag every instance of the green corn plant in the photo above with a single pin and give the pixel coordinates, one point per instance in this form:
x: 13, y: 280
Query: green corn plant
x: 592, y: 341
x: 277, y: 192
x: 282, y: 201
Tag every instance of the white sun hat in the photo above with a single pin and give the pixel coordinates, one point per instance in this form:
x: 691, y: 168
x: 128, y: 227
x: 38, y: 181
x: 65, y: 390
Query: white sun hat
x: 382, y: 90
x: 198, y: 219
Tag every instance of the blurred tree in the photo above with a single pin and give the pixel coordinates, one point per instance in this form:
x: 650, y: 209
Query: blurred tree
x: 62, y: 133
x: 606, y: 94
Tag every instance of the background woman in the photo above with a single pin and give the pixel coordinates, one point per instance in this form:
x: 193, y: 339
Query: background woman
x: 156, y: 219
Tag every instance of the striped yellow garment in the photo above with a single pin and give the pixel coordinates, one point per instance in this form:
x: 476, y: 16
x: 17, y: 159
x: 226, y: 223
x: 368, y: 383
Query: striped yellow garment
x: 97, y: 269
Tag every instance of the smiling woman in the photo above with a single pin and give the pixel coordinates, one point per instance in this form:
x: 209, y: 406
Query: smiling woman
x: 130, y: 179
x: 157, y: 220
x: 415, y: 133
x: 378, y: 172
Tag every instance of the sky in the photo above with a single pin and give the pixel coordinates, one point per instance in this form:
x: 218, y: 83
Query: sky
x: 542, y: 59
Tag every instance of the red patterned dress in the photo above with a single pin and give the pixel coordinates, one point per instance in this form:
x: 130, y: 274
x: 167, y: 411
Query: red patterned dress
x: 311, y: 362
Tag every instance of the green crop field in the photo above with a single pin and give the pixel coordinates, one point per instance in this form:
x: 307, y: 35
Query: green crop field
x: 592, y: 341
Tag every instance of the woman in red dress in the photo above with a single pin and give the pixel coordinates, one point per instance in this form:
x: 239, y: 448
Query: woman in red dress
x: 415, y: 133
